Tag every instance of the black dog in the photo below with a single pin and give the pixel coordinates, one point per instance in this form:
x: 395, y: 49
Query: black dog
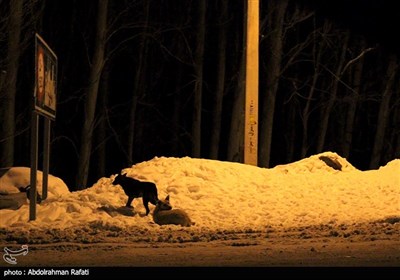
x: 27, y: 190
x: 14, y: 201
x: 134, y: 188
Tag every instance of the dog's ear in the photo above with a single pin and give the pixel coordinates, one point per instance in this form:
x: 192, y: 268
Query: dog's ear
x: 167, y: 198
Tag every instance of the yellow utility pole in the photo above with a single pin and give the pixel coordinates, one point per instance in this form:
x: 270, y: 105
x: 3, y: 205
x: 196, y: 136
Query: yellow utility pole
x: 251, y: 106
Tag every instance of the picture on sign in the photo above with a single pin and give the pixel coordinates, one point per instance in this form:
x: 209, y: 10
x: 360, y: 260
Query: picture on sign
x: 45, y: 93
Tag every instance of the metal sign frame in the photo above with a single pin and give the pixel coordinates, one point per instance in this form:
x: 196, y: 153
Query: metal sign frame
x: 45, y: 93
x: 45, y: 97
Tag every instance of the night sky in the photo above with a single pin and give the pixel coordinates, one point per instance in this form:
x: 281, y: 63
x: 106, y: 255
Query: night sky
x: 377, y: 20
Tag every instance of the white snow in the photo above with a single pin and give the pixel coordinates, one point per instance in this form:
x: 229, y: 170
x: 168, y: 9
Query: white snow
x: 220, y: 195
x: 17, y: 177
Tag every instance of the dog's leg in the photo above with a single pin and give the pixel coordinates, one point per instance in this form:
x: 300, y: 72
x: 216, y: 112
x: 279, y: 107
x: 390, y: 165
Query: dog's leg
x: 129, y: 202
x: 146, y: 204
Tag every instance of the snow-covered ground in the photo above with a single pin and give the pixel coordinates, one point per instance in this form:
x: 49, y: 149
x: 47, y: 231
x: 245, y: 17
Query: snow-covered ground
x: 220, y: 195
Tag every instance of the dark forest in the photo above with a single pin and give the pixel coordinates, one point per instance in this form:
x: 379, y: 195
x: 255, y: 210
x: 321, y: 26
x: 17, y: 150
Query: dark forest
x: 144, y: 78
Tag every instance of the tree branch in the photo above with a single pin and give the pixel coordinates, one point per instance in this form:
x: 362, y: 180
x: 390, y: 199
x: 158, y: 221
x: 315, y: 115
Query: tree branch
x: 355, y: 59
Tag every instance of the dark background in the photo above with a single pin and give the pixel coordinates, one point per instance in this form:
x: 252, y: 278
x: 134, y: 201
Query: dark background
x: 69, y: 28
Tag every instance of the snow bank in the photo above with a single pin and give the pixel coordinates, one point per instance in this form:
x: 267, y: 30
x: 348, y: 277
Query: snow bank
x: 221, y: 195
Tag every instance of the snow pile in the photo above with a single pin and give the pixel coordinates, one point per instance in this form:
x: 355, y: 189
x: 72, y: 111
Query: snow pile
x: 17, y: 177
x: 221, y: 195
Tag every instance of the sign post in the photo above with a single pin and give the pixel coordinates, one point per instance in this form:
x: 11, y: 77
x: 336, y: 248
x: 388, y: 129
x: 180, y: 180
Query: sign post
x: 45, y: 97
x: 251, y: 103
x: 34, y: 156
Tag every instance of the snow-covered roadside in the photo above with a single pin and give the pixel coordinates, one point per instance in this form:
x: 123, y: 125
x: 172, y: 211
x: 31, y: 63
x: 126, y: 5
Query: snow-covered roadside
x: 227, y: 196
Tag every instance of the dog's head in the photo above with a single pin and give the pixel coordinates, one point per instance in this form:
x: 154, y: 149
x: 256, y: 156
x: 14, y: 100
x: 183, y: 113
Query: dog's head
x: 27, y: 190
x: 119, y: 179
x: 164, y: 204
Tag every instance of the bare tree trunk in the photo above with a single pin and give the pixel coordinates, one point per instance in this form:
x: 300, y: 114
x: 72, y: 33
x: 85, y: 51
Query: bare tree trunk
x: 317, y: 52
x: 392, y: 147
x: 91, y: 95
x: 2, y: 81
x: 290, y: 136
x: 353, y: 102
x: 101, y: 136
x: 198, y: 70
x: 236, y: 133
x: 277, y: 10
x: 332, y: 97
x: 394, y: 152
x: 219, y: 92
x: 176, y: 115
x: 235, y: 150
x: 384, y: 113
x: 396, y: 134
x: 7, y: 130
x: 139, y: 84
x: 396, y: 121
